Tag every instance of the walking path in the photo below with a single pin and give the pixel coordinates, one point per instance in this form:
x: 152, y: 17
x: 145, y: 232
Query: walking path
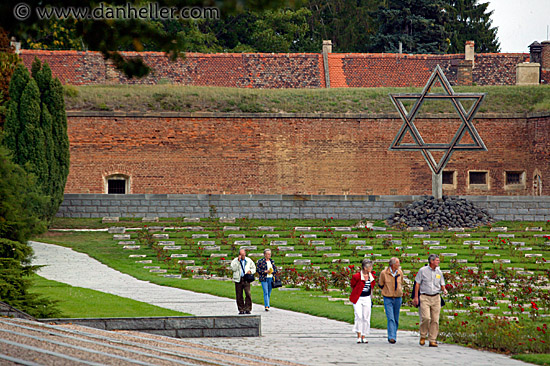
x: 286, y: 335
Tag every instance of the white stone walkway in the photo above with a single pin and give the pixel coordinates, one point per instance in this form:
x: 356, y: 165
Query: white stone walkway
x: 286, y: 335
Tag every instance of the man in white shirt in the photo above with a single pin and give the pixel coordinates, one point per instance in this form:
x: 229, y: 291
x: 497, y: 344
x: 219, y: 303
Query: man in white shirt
x: 241, y: 265
x: 429, y: 284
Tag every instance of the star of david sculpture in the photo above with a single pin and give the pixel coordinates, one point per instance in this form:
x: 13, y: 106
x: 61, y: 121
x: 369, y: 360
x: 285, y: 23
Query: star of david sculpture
x: 426, y: 149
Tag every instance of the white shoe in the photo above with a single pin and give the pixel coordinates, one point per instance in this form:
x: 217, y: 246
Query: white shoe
x: 359, y: 340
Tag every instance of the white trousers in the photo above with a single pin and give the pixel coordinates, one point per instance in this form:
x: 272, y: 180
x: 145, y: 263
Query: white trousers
x: 362, y: 310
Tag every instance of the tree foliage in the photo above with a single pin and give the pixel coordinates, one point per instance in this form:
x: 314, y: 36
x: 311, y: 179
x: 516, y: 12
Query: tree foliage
x: 22, y: 206
x: 8, y: 62
x: 470, y: 21
x: 36, y: 130
x: 349, y: 24
x: 418, y: 24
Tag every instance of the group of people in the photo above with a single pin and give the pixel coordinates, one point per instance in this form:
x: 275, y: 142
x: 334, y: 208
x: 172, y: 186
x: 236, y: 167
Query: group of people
x: 243, y: 265
x: 429, y: 284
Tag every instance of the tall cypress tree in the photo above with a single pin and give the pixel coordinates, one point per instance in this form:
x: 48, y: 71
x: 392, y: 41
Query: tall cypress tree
x: 12, y: 126
x: 36, y: 130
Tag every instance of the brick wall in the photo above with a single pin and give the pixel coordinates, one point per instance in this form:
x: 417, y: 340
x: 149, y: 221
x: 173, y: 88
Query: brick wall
x: 303, y: 70
x: 370, y: 207
x: 327, y: 154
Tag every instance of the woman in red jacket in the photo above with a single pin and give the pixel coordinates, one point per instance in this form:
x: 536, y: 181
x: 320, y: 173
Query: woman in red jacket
x: 362, y: 284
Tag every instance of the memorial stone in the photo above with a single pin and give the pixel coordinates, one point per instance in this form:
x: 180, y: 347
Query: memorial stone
x: 109, y: 220
x: 116, y: 230
x: 421, y: 236
x: 266, y: 228
x: 150, y: 219
x: 242, y: 242
x: 127, y: 242
x: 212, y: 247
x: 199, y: 236
x: 161, y: 236
x: 240, y: 236
x: 191, y: 219
x: 316, y: 242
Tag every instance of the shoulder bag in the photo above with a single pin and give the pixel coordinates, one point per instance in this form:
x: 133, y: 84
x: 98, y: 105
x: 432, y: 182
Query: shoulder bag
x: 247, y: 276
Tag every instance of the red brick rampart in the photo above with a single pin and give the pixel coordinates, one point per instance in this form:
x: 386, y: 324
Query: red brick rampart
x: 261, y: 70
x: 295, y: 154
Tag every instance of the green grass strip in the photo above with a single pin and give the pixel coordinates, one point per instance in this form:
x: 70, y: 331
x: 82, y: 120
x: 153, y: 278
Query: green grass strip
x: 78, y: 302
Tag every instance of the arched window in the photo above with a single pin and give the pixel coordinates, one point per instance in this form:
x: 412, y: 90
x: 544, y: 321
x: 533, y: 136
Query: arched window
x: 117, y: 184
x: 537, y: 185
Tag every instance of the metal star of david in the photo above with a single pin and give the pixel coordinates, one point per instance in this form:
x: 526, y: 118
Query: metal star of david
x: 465, y: 116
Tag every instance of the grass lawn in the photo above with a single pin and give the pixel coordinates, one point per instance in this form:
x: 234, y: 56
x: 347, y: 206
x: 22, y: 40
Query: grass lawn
x: 152, y: 98
x: 77, y: 302
x: 541, y: 359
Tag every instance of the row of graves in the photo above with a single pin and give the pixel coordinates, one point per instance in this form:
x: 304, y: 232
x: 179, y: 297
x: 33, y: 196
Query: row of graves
x: 490, y: 268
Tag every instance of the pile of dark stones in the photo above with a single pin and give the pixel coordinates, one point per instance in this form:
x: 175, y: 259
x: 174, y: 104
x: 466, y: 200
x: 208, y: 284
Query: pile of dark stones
x: 433, y: 214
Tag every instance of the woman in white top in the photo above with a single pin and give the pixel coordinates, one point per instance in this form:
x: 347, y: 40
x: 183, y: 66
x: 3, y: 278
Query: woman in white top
x: 266, y: 270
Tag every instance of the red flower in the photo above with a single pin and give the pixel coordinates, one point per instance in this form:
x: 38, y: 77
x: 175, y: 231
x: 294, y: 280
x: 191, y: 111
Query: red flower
x: 456, y: 314
x: 481, y: 312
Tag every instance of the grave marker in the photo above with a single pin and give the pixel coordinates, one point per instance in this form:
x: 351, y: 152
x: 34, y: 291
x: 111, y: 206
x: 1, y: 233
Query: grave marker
x: 116, y: 230
x: 191, y: 219
x: 266, y: 228
x: 231, y: 228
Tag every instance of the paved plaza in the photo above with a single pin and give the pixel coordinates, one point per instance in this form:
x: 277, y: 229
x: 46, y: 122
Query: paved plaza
x: 286, y: 335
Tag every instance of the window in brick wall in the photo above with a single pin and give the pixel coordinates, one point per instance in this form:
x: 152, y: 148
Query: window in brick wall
x: 448, y: 177
x: 478, y: 178
x: 515, y: 178
x: 117, y: 184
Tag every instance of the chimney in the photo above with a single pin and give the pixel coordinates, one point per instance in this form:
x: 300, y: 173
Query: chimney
x: 469, y: 51
x: 327, y: 46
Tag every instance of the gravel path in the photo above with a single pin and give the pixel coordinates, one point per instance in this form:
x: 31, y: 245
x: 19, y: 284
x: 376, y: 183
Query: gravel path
x: 286, y: 335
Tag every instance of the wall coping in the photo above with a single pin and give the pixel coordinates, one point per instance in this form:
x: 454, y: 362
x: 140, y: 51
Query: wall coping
x: 296, y: 197
x: 133, y: 114
x: 175, y: 326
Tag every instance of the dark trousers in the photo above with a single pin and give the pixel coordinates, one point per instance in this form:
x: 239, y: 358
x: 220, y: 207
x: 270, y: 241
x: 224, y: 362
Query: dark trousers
x: 242, y: 303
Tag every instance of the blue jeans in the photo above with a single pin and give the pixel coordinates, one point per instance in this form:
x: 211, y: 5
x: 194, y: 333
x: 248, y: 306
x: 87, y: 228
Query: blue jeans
x: 392, y: 306
x: 267, y: 286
